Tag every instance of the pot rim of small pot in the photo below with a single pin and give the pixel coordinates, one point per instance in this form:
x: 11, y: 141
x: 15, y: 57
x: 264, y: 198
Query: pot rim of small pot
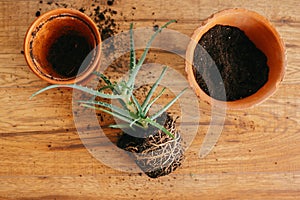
x: 35, y: 27
x: 276, y: 61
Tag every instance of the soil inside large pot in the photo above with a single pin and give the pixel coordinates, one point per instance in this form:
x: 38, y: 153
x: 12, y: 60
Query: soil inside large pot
x: 156, y: 153
x: 242, y: 66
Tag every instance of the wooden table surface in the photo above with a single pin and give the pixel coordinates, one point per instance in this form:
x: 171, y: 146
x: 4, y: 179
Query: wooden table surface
x: 42, y: 156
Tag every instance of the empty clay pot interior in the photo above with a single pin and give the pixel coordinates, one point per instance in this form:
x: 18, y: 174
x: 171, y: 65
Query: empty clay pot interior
x: 265, y: 37
x: 47, y: 32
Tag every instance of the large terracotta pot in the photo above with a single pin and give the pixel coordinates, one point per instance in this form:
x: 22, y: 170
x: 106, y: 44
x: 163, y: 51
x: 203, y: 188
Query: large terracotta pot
x: 47, y: 29
x: 262, y: 34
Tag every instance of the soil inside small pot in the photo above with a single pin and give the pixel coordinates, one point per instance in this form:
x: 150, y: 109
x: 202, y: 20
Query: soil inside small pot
x: 67, y: 54
x: 156, y: 153
x: 242, y: 66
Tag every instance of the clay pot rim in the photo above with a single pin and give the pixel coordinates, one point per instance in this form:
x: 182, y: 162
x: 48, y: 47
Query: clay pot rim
x: 60, y: 12
x: 241, y: 103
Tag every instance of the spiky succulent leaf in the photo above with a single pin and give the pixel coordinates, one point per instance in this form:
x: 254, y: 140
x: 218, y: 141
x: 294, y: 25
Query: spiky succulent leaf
x: 135, y: 71
x: 166, y: 107
x: 106, y: 87
x: 132, y: 49
x: 114, y: 114
x: 103, y: 77
x: 113, y: 108
x: 153, y: 88
x: 114, y: 87
x: 160, y: 127
x: 137, y: 105
x: 146, y: 110
x: 81, y: 88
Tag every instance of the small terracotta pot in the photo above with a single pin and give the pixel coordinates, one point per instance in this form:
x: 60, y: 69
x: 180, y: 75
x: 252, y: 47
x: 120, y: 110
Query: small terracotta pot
x: 47, y: 29
x: 262, y: 34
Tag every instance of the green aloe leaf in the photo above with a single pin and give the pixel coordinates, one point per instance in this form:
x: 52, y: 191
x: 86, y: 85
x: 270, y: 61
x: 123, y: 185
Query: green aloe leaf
x: 146, y: 110
x: 113, y: 108
x: 164, y: 109
x: 160, y: 127
x: 137, y: 104
x: 132, y: 49
x: 114, y: 114
x: 103, y: 77
x: 153, y: 88
x: 106, y: 87
x: 135, y: 71
x: 113, y: 87
x: 81, y: 88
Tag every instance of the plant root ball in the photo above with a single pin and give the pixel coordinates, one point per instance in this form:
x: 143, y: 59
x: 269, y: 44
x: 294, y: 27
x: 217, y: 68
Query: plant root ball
x: 158, y: 154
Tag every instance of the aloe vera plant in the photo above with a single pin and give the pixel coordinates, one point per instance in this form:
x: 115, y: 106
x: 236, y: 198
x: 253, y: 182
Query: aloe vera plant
x: 135, y: 115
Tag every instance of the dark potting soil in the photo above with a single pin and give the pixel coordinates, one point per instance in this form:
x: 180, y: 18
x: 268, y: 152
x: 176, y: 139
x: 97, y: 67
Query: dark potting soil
x: 38, y: 13
x: 101, y: 15
x: 67, y: 53
x: 242, y: 66
x: 138, y: 136
x: 157, y: 154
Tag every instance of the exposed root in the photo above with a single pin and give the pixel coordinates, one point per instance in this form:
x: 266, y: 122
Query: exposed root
x: 158, y: 154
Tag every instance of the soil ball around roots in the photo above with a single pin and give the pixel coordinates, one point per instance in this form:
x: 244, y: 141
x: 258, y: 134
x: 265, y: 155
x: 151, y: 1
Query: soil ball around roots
x: 158, y: 154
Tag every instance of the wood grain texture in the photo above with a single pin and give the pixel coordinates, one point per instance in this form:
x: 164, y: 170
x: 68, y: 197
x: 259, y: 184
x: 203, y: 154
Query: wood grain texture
x: 42, y: 156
